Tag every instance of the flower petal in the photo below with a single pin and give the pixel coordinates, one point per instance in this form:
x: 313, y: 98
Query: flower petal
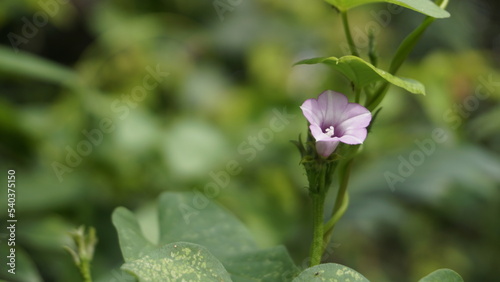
x: 312, y: 112
x: 318, y: 133
x: 354, y: 136
x: 354, y: 116
x: 332, y: 105
x: 326, y: 148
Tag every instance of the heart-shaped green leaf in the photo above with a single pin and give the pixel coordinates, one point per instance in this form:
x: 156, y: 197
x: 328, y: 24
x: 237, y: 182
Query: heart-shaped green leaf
x: 425, y: 7
x: 362, y: 73
x: 442, y: 275
x: 193, y: 218
x: 178, y: 262
x: 330, y: 272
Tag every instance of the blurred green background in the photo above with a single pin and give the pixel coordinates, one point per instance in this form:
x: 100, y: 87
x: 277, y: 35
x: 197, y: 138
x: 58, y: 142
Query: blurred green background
x: 229, y: 67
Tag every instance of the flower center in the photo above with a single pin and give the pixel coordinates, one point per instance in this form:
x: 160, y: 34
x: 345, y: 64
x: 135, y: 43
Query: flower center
x: 330, y: 131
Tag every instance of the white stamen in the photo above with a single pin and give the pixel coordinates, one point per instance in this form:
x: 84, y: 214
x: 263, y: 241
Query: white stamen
x: 330, y: 131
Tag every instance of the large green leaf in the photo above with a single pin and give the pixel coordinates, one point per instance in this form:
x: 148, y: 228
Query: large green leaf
x: 178, y: 262
x: 25, y: 64
x: 362, y: 73
x: 191, y: 217
x: 330, y: 272
x: 425, y: 7
x: 442, y: 275
x: 262, y: 265
x: 194, y: 218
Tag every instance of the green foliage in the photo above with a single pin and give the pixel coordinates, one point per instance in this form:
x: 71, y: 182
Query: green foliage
x: 362, y: 73
x: 330, y: 272
x: 214, y: 237
x: 272, y: 264
x: 225, y: 79
x: 194, y: 218
x: 25, y: 268
x: 442, y: 275
x: 35, y: 67
x: 422, y: 6
x: 401, y: 55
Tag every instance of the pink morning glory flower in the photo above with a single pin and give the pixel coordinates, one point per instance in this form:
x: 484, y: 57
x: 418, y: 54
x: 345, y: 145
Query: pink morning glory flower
x: 333, y: 120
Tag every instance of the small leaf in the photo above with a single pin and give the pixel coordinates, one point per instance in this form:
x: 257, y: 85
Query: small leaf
x: 362, y: 73
x: 330, y: 272
x: 442, y: 275
x: 178, y: 262
x: 425, y: 7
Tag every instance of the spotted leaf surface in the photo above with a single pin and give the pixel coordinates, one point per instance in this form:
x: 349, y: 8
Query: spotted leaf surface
x: 178, y: 262
x: 330, y: 272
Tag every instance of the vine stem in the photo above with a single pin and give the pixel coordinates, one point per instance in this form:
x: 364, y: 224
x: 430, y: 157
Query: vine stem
x: 347, y: 31
x: 318, y: 227
x: 318, y: 203
x: 341, y: 202
x: 336, y: 216
x: 85, y: 271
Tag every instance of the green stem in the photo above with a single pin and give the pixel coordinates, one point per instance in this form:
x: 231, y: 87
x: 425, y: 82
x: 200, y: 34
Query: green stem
x: 372, y: 53
x: 338, y: 215
x: 317, y: 243
x: 348, y: 35
x: 318, y: 203
x: 341, y: 202
x: 85, y: 271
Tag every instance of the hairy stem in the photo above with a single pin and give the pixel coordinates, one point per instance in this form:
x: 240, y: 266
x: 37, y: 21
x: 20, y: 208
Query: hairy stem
x: 85, y: 271
x: 318, y: 203
x: 317, y: 243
